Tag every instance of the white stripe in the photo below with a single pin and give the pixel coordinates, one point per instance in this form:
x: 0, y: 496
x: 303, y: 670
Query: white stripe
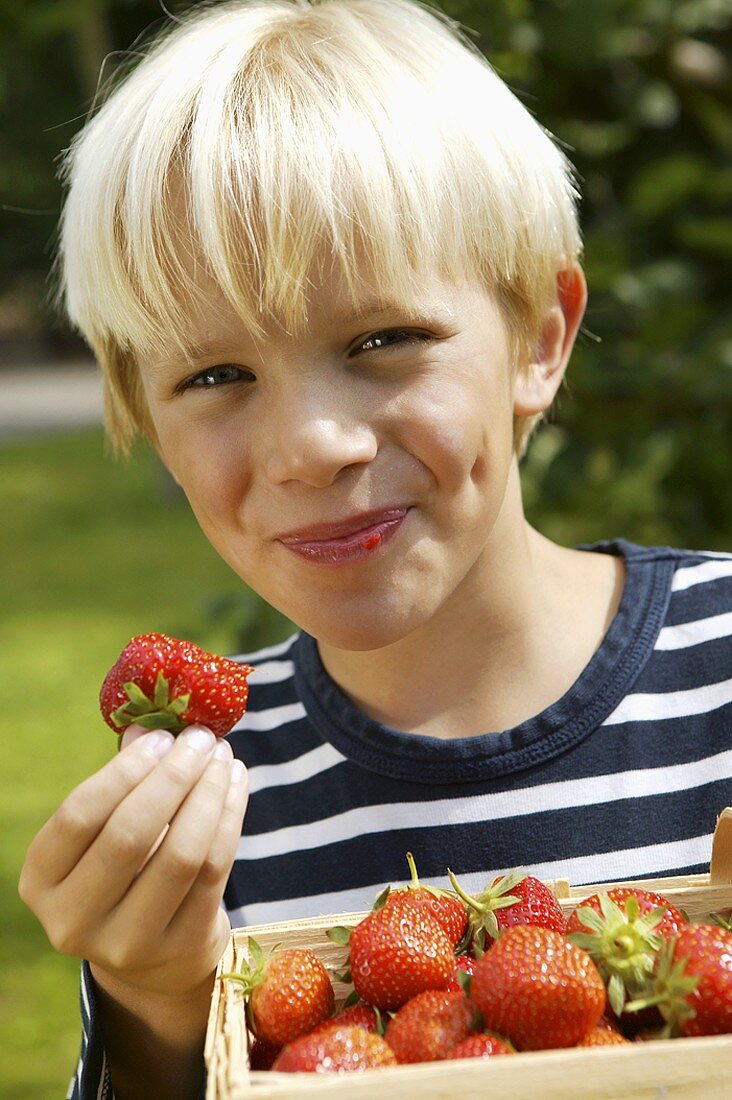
x: 651, y: 860
x: 690, y: 575
x: 85, y: 1000
x: 272, y: 672
x: 268, y: 651
x: 657, y: 706
x: 487, y: 807
x: 75, y: 1080
x: 271, y: 718
x: 296, y: 770
x: 688, y: 634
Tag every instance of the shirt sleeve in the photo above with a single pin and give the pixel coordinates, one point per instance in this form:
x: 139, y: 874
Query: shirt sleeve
x: 91, y: 1080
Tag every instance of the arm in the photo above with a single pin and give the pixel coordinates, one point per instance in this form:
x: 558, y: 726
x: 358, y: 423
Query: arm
x: 129, y: 873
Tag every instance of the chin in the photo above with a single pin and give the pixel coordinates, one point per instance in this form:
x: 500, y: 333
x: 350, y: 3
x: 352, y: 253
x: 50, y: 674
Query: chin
x: 358, y: 631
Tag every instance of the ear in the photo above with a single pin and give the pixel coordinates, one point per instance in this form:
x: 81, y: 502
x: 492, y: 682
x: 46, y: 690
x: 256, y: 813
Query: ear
x: 536, y: 385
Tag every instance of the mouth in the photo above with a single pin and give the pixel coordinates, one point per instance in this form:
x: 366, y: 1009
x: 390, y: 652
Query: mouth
x: 350, y: 540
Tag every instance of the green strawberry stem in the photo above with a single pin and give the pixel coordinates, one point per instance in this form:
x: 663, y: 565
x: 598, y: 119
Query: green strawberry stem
x: 160, y: 712
x: 622, y: 944
x: 668, y: 990
x: 482, y: 909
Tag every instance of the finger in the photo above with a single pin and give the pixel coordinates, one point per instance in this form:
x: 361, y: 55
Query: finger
x: 131, y: 734
x: 80, y: 818
x: 106, y: 871
x: 198, y: 910
x: 159, y: 889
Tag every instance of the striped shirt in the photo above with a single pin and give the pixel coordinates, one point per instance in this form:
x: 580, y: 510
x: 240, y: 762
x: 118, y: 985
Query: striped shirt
x: 622, y: 777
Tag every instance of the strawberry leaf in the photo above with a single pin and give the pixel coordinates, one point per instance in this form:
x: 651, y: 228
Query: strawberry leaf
x: 339, y: 935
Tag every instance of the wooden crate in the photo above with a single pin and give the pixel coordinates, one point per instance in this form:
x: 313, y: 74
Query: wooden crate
x: 677, y: 1069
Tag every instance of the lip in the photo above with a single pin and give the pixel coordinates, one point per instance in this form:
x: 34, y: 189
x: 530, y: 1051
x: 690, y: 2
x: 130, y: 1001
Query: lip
x: 352, y: 539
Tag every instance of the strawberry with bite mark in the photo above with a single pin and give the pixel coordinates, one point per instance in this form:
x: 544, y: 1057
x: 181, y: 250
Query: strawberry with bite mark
x: 165, y: 683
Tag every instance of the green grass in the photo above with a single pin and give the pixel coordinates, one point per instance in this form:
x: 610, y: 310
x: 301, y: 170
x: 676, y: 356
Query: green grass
x: 94, y: 551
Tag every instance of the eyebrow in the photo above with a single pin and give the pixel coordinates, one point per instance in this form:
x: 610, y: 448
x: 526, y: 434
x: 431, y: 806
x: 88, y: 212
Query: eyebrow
x: 378, y: 307
x: 373, y: 308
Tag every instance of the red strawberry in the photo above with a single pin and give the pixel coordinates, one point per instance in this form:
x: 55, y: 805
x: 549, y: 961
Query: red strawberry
x: 603, y: 1034
x: 448, y: 910
x: 464, y: 964
x: 623, y: 929
x: 428, y: 1026
x: 289, y: 994
x: 484, y: 1045
x: 397, y: 953
x: 338, y: 1050
x: 692, y: 985
x: 510, y: 900
x: 537, y: 989
x: 164, y: 683
x: 262, y: 1055
x: 359, y: 1015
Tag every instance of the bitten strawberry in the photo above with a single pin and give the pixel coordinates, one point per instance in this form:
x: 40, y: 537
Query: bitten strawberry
x: 449, y: 911
x: 337, y: 1050
x: 509, y: 900
x: 623, y: 929
x: 164, y: 683
x: 430, y: 1025
x: 483, y: 1045
x: 397, y: 953
x: 288, y: 994
x: 537, y: 989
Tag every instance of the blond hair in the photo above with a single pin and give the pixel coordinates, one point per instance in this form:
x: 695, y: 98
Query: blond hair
x: 371, y: 127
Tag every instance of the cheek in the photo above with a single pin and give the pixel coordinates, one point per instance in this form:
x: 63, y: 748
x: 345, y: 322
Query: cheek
x: 213, y: 475
x: 455, y: 434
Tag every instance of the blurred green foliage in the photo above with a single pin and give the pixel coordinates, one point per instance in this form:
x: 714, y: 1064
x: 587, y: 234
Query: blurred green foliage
x: 638, y: 94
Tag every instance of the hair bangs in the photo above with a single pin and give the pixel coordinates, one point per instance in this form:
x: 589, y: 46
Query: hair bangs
x: 265, y: 142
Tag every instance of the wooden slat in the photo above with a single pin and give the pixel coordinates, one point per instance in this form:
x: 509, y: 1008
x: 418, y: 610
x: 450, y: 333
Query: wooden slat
x: 691, y: 1069
x: 720, y: 868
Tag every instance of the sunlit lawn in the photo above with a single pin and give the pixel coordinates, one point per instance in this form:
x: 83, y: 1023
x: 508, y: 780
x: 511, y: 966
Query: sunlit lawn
x: 93, y: 550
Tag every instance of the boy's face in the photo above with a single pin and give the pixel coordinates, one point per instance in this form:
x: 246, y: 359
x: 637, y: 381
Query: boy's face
x: 353, y: 476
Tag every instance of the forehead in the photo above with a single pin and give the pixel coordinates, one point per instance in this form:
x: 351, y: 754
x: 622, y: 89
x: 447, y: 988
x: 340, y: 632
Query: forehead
x: 332, y: 302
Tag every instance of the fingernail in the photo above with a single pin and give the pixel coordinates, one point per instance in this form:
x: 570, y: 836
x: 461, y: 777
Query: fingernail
x: 222, y: 750
x: 238, y: 772
x: 157, y: 743
x: 199, y: 738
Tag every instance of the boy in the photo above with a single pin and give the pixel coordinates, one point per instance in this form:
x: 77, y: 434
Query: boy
x: 329, y: 266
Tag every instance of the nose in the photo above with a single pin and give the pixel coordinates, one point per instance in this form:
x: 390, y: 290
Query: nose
x: 317, y: 437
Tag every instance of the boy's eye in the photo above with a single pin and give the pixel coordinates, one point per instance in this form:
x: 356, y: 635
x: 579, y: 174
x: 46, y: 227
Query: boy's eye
x: 390, y: 337
x: 220, y: 375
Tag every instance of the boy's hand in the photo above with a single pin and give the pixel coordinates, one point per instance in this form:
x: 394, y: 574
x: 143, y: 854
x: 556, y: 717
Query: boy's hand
x: 130, y: 871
